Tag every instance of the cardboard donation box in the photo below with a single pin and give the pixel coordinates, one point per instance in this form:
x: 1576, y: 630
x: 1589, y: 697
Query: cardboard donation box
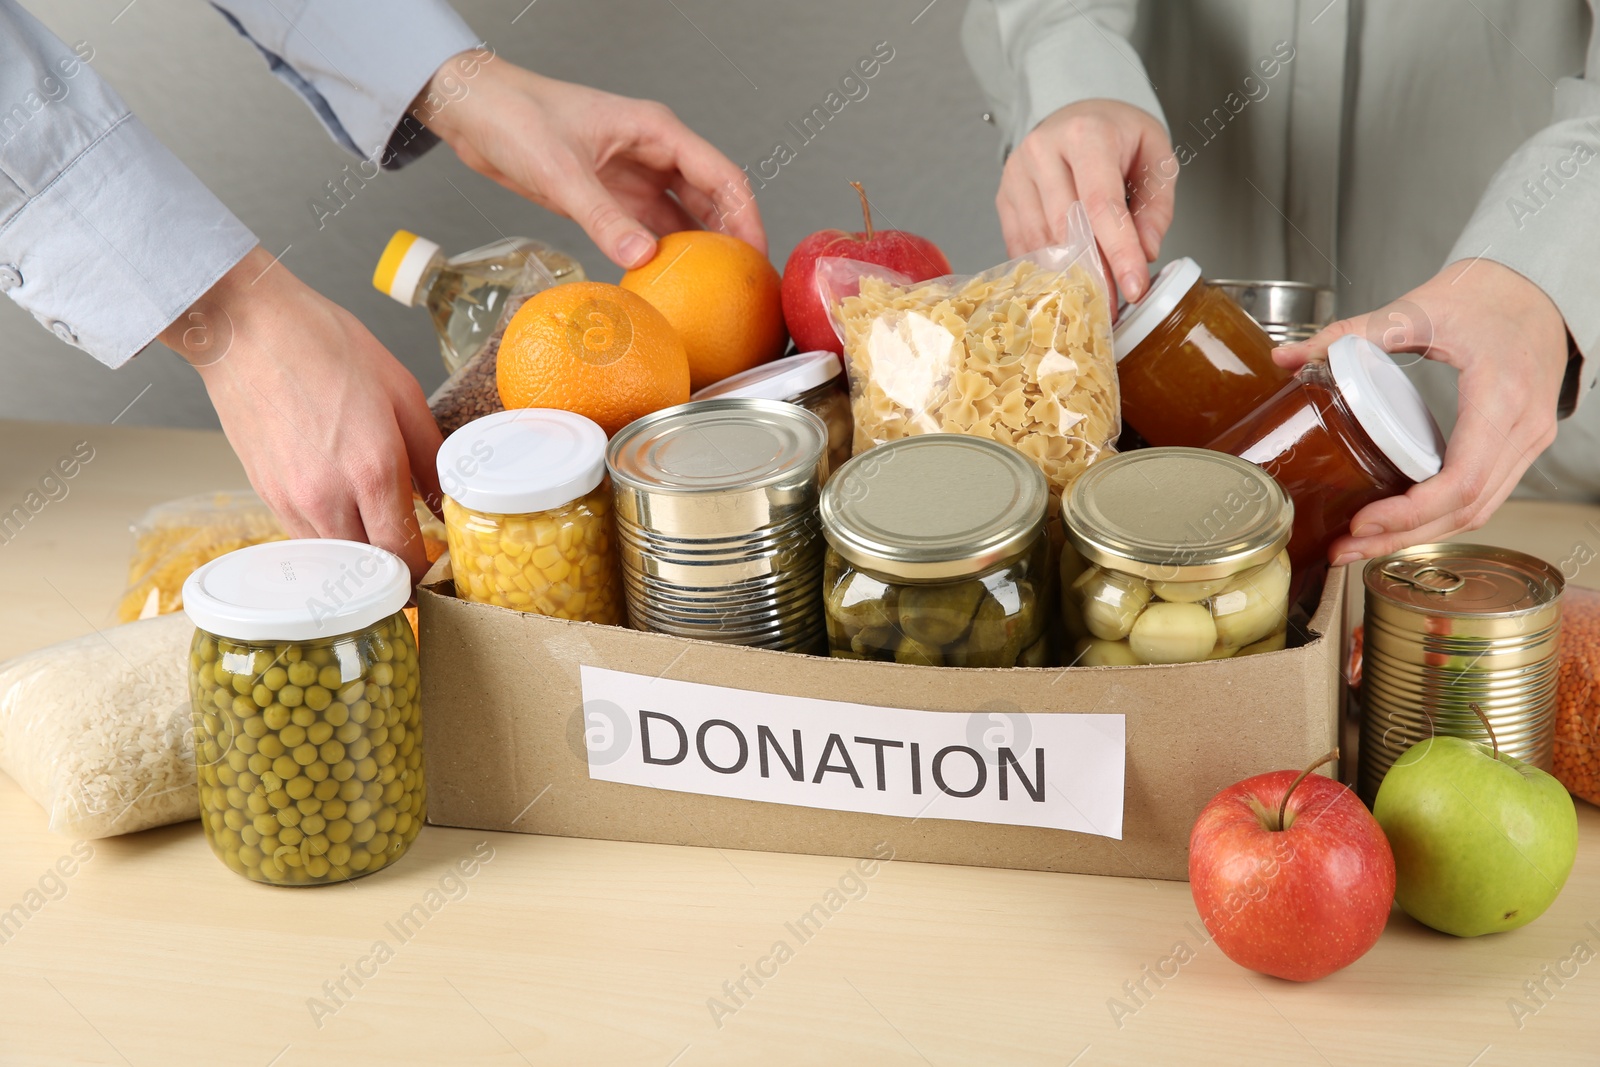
x: 544, y: 726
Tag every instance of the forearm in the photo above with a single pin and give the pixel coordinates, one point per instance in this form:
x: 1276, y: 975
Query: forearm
x: 204, y: 333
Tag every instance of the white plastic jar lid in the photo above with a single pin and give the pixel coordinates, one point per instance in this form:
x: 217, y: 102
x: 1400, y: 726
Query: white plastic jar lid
x: 1387, y: 406
x: 782, y: 379
x: 522, y: 461
x: 1140, y: 319
x: 296, y: 590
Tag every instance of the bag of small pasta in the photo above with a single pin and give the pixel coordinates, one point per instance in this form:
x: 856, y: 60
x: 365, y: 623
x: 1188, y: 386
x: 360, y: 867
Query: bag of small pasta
x: 172, y: 539
x: 1020, y: 354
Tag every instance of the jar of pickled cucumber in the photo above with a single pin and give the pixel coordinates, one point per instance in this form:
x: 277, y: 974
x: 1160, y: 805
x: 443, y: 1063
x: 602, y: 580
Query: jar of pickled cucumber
x: 1175, y: 555
x: 937, y: 555
x: 308, y: 729
x: 527, y: 512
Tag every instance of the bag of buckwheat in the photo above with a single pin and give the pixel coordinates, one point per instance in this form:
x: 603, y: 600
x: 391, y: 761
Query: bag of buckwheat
x: 470, y: 393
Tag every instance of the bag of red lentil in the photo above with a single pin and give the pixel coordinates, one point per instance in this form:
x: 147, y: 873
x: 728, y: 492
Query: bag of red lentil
x: 1577, y: 749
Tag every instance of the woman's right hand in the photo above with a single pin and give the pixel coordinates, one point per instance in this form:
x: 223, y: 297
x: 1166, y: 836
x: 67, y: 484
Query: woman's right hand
x: 1114, y: 157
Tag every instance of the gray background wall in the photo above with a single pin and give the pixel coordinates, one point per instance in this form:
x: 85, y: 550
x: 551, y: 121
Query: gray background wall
x: 917, y: 140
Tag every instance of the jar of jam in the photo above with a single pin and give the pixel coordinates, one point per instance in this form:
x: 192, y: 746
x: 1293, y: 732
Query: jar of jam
x: 937, y: 554
x: 1342, y: 434
x: 1190, y: 361
x: 813, y: 380
x: 527, y: 512
x: 1174, y: 555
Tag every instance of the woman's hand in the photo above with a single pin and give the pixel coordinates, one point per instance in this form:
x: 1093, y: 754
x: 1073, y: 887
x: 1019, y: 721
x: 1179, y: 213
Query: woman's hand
x: 623, y: 169
x: 1509, y: 343
x: 331, y: 429
x: 1112, y: 156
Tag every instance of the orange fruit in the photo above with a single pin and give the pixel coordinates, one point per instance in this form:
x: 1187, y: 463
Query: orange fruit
x: 723, y: 297
x: 595, y: 349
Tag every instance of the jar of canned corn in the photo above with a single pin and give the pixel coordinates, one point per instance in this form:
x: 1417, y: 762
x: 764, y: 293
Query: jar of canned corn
x: 527, y: 513
x: 308, y: 729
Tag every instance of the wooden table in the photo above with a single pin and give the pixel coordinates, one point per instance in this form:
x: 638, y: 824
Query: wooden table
x: 562, y: 951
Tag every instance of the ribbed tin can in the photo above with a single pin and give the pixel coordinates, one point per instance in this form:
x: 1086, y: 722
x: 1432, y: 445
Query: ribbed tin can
x: 716, y: 511
x: 1288, y: 311
x: 1449, y: 626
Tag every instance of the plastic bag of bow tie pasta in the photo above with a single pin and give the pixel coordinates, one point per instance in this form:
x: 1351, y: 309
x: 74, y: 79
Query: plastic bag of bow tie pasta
x: 1020, y: 354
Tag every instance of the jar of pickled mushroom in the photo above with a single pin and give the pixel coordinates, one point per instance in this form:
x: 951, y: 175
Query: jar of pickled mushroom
x: 1174, y: 555
x: 527, y: 513
x: 814, y: 380
x: 1344, y: 433
x: 1190, y: 361
x: 937, y: 555
x: 308, y: 729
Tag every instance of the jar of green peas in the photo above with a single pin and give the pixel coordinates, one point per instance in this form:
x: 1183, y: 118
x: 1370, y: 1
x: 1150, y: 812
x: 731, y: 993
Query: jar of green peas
x: 308, y: 730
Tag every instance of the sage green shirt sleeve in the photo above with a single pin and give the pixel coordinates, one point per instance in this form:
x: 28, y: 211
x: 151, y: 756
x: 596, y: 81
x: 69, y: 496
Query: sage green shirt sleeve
x: 1033, y: 57
x: 1540, y: 214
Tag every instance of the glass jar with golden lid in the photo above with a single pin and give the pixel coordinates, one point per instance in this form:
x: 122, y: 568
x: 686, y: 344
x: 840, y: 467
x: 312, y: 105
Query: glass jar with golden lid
x: 1175, y: 555
x: 937, y: 555
x: 1190, y: 361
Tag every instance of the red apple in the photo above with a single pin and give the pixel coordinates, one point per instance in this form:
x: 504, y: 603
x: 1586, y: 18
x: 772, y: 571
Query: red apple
x: 1291, y: 874
x: 915, y: 257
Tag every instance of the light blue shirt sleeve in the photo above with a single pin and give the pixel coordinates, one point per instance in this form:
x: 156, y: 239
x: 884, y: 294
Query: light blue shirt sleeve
x: 105, y: 236
x: 358, y: 64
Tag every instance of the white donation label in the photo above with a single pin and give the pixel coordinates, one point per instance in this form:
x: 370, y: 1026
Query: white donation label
x: 1062, y: 771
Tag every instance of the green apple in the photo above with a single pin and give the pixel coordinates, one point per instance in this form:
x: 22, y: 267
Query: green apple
x: 1482, y: 842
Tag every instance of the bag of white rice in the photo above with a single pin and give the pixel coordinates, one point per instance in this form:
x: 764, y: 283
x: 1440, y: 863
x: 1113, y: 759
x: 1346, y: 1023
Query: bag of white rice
x: 97, y: 729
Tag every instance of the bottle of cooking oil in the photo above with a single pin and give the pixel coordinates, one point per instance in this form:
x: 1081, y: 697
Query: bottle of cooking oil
x: 470, y: 296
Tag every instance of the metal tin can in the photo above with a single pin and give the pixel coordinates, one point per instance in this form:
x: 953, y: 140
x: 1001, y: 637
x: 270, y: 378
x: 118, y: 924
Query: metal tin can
x: 1288, y: 311
x: 716, y: 510
x: 937, y: 555
x: 814, y: 380
x: 1448, y: 626
x: 1175, y: 555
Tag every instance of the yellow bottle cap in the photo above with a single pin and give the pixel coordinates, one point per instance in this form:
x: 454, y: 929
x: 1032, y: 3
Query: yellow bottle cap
x: 404, y: 261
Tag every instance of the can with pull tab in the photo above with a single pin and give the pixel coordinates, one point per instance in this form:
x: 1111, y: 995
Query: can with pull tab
x: 1452, y: 625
